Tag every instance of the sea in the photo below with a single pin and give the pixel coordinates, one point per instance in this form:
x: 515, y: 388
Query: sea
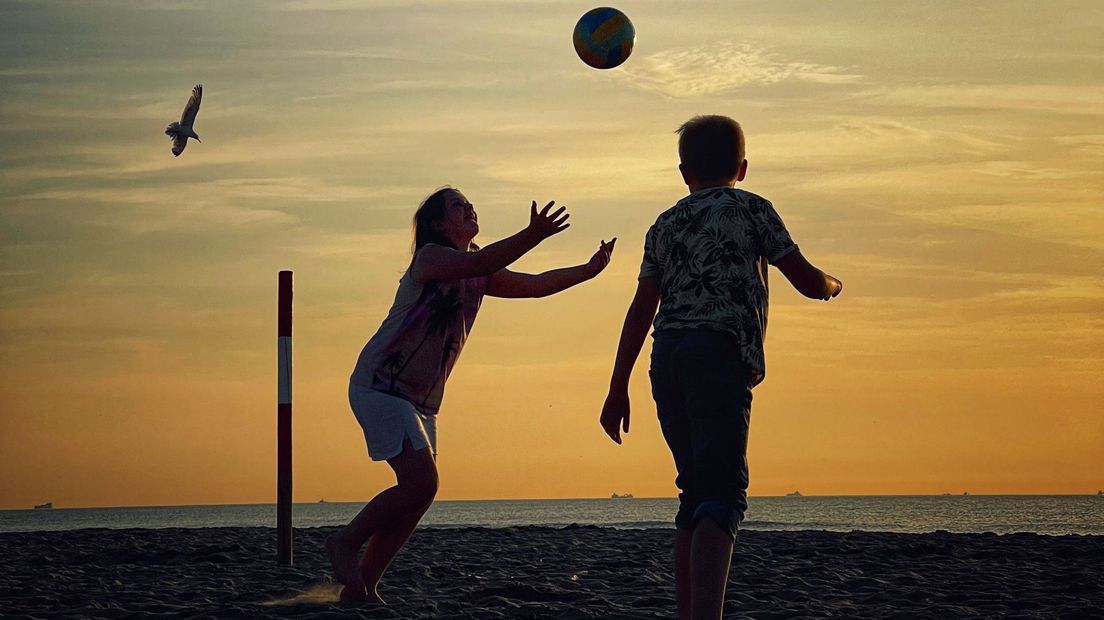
x: 1001, y: 514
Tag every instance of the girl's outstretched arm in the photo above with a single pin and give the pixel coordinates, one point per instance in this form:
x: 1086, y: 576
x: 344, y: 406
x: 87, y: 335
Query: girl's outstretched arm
x: 436, y: 262
x: 506, y: 283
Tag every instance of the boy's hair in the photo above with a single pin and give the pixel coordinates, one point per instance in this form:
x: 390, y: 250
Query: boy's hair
x: 711, y: 147
x: 431, y: 211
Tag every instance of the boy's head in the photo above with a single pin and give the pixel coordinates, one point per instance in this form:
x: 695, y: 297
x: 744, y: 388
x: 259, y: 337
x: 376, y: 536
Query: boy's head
x: 711, y: 150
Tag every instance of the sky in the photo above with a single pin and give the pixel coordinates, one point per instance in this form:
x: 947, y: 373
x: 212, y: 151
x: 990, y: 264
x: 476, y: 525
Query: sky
x: 945, y: 160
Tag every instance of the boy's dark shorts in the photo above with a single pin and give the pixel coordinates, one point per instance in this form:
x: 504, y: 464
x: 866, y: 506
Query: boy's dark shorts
x: 702, y: 391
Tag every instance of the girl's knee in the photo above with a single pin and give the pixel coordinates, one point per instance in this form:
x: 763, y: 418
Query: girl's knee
x: 421, y: 488
x: 424, y: 494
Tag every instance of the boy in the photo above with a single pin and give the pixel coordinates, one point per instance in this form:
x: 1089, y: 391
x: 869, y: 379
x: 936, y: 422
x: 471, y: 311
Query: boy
x: 705, y: 268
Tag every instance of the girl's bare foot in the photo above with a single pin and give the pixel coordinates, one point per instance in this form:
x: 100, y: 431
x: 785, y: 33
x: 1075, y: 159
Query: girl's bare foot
x: 349, y: 595
x: 344, y: 562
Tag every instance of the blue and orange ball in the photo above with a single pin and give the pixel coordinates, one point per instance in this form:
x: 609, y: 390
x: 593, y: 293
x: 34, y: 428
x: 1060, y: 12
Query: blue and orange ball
x: 604, y: 37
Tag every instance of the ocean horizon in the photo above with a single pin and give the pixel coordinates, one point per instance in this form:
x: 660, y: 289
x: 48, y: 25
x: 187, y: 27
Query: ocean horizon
x: 1000, y: 514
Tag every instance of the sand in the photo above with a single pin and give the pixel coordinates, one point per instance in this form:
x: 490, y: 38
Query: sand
x: 537, y: 572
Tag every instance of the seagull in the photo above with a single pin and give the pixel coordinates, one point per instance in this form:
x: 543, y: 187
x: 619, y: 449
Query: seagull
x: 180, y: 132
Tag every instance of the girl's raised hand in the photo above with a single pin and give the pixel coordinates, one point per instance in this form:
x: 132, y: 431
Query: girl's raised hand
x: 600, y: 259
x: 543, y: 224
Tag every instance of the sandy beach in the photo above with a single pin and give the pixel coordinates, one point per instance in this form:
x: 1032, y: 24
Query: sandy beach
x: 536, y: 572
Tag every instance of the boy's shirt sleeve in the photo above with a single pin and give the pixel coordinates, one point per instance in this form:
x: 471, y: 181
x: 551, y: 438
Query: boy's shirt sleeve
x: 774, y: 239
x: 649, y: 266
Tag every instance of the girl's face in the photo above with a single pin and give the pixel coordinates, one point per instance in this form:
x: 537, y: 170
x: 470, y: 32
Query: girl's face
x: 460, y: 222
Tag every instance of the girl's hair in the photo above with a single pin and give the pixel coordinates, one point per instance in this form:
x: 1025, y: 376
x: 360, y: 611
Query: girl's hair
x: 431, y: 211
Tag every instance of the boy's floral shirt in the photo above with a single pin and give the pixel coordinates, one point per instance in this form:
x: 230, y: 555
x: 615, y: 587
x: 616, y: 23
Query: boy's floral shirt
x: 709, y: 254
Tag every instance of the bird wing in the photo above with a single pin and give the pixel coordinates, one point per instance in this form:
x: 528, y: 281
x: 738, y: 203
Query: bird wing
x: 190, y: 110
x: 179, y: 142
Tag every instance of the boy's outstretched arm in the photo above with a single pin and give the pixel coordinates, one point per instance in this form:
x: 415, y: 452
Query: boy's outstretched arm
x: 506, y: 283
x: 807, y: 279
x: 615, y: 411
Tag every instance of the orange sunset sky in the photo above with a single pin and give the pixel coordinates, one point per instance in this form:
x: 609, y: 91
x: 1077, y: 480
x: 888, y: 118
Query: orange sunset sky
x: 943, y: 159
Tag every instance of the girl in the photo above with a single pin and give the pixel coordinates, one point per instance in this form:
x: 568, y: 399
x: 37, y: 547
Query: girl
x: 396, y: 387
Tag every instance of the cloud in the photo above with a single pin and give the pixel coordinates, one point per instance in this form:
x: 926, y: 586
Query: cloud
x: 366, y: 5
x: 347, y: 246
x: 196, y: 217
x: 125, y: 159
x: 1068, y: 99
x: 1027, y: 170
x: 1066, y: 222
x: 870, y: 145
x: 216, y: 205
x: 712, y: 69
x: 143, y: 210
x: 361, y: 53
x: 1089, y: 144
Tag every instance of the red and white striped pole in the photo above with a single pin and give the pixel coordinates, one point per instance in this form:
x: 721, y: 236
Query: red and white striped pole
x: 283, y: 424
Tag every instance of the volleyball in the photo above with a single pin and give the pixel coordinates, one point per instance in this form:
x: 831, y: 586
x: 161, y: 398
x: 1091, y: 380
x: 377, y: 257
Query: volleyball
x: 604, y: 37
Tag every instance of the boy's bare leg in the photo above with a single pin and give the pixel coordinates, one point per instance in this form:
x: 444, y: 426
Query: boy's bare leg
x: 683, y: 540
x: 416, y: 474
x: 382, y: 548
x: 710, y: 560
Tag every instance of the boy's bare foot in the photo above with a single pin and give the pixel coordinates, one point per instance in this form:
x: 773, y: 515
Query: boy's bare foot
x: 349, y: 595
x: 344, y: 562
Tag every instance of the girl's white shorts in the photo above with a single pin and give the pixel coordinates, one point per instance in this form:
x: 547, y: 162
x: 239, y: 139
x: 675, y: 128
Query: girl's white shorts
x: 387, y: 420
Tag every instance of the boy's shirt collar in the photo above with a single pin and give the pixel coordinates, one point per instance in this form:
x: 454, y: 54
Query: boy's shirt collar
x: 711, y: 187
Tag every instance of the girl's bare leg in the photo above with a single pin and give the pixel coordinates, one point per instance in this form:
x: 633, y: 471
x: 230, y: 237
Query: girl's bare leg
x: 382, y: 548
x: 416, y: 475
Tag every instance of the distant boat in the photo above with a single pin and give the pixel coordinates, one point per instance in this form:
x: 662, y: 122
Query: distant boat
x: 625, y: 496
x: 322, y: 501
x: 46, y: 506
x: 965, y: 493
x: 795, y: 494
x: 946, y: 494
x: 1100, y: 493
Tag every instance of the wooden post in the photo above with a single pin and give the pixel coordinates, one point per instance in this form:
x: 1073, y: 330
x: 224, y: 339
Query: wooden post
x: 283, y: 424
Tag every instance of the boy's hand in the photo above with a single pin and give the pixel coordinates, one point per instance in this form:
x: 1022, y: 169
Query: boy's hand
x: 615, y: 415
x: 807, y: 279
x: 600, y: 259
x: 543, y: 225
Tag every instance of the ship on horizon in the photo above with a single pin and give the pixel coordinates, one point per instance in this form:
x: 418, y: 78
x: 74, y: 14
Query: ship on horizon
x: 46, y: 506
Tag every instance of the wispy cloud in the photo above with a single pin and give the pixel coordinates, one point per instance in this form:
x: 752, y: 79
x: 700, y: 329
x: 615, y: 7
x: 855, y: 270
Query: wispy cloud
x: 349, y: 246
x: 292, y: 189
x: 360, y: 53
x: 1027, y: 170
x: 364, y: 5
x: 716, y: 68
x: 1090, y: 144
x: 1081, y: 99
x: 144, y: 210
